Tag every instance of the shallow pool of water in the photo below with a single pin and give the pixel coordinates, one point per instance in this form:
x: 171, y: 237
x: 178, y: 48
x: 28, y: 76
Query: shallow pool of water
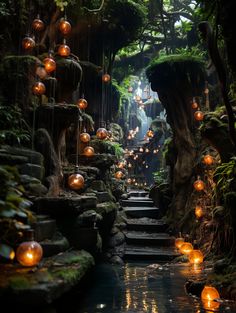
x: 141, y: 288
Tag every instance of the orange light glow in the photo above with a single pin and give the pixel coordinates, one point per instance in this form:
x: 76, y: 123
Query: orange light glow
x: 199, y: 115
x: 198, y: 211
x: 119, y: 175
x: 101, y: 133
x: 208, y: 295
x: 84, y: 137
x: 28, y: 43
x: 64, y: 27
x: 49, y: 64
x: 29, y: 253
x: 195, y: 257
x: 208, y: 159
x: 150, y: 133
x: 38, y: 25
x: 82, y: 104
x: 199, y: 185
x: 186, y: 248
x: 178, y: 242
x: 64, y: 50
x: 88, y: 151
x: 76, y: 181
x: 38, y: 89
x: 106, y: 78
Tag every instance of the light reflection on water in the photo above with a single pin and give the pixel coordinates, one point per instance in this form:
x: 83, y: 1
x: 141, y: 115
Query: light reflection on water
x: 138, y: 288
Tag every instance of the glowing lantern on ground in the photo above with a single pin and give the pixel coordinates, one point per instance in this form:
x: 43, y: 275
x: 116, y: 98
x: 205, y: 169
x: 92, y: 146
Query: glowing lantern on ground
x: 195, y: 257
x: 150, y: 133
x: 64, y: 50
x: 41, y: 72
x: 38, y: 89
x: 106, y: 78
x: 198, y: 211
x: 30, y: 252
x: 199, y: 115
x: 82, y: 104
x: 88, y: 151
x: 198, y: 185
x: 28, y: 43
x: 84, y: 137
x: 38, y: 24
x: 208, y: 159
x: 186, y: 248
x: 179, y: 241
x: 49, y: 64
x: 208, y: 295
x: 76, y: 181
x: 64, y: 27
x: 119, y: 175
x: 101, y: 133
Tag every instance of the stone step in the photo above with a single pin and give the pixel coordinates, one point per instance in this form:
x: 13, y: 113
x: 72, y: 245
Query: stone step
x: 133, y: 252
x: 139, y: 199
x: 44, y: 228
x: 135, y: 193
x: 55, y: 245
x: 146, y: 224
x: 136, y: 203
x: 137, y: 212
x: 149, y: 239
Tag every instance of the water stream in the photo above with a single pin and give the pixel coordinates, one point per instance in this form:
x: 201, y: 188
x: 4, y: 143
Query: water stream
x: 141, y: 288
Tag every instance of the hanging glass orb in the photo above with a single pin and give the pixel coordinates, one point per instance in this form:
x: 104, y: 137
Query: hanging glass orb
x: 178, y: 242
x: 82, y: 104
x: 64, y: 26
x: 106, y: 78
x: 101, y: 133
x: 41, y: 72
x: 84, y: 137
x: 195, y: 257
x: 208, y: 159
x: 88, y: 151
x: 198, y: 211
x: 64, y: 50
x: 76, y: 181
x: 199, y: 115
x: 186, y: 248
x: 29, y: 253
x: 208, y: 295
x: 198, y: 185
x: 150, y: 133
x: 146, y: 150
x: 49, y: 64
x: 141, y: 149
x: 28, y: 43
x: 118, y: 175
x: 194, y: 105
x: 38, y: 24
x: 38, y: 89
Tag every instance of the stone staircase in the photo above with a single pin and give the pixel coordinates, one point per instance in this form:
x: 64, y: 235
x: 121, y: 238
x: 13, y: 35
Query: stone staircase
x: 146, y: 236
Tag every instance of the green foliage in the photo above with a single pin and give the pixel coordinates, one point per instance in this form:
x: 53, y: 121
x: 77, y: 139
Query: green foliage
x: 160, y: 177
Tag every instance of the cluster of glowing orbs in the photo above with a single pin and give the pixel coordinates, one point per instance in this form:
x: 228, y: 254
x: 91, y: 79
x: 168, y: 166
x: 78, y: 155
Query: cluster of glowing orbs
x: 63, y: 50
x: 199, y: 116
x: 199, y: 185
x: 186, y: 248
x: 28, y: 43
x: 199, y: 211
x: 208, y: 295
x: 88, y: 151
x: 119, y: 175
x: 64, y: 27
x: 84, y: 137
x: 195, y: 257
x: 101, y: 133
x: 29, y: 253
x: 38, y: 24
x: 208, y: 159
x: 49, y: 64
x: 76, y: 181
x: 150, y: 133
x: 106, y: 78
x: 38, y: 88
x: 82, y: 104
x: 178, y: 242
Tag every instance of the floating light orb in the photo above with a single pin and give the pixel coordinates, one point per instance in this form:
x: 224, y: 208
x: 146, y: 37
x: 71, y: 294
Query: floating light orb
x: 194, y: 105
x: 38, y: 89
x: 179, y: 241
x: 101, y: 133
x: 106, y: 78
x: 206, y: 91
x: 150, y: 133
x: 82, y: 104
x: 146, y: 150
x: 199, y: 115
x: 28, y: 43
x: 64, y: 50
x: 186, y: 248
x: 118, y: 175
x: 199, y: 185
x: 208, y: 159
x: 29, y: 253
x: 64, y: 26
x: 84, y: 137
x: 195, y: 257
x: 76, y: 181
x: 141, y: 149
x: 38, y: 24
x: 198, y: 211
x: 49, y: 64
x: 88, y: 151
x: 208, y: 295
